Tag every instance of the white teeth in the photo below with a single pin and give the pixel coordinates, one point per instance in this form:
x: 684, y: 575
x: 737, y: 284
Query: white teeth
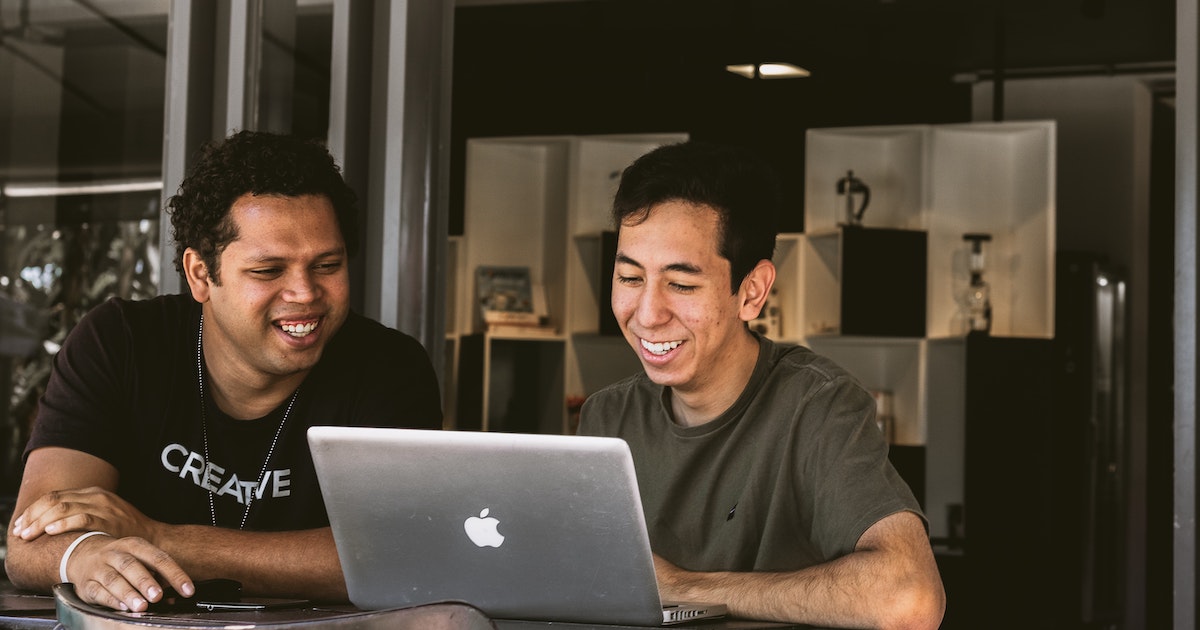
x: 299, y: 330
x: 660, y: 348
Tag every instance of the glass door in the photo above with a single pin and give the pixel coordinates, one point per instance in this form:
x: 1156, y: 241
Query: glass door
x: 81, y: 140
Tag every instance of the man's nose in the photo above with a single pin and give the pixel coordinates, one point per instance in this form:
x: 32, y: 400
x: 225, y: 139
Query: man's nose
x: 302, y: 287
x: 652, y: 307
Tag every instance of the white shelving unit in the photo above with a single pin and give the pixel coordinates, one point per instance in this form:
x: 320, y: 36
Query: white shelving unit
x: 891, y: 160
x: 944, y: 373
x: 542, y: 202
x: 947, y: 180
x: 790, y: 249
x: 996, y: 178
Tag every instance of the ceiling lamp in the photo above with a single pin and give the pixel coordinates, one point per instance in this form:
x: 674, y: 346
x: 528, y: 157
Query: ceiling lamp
x: 54, y: 189
x: 772, y: 70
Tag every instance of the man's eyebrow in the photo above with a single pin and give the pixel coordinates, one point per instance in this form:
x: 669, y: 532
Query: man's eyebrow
x: 263, y: 258
x: 687, y: 268
x: 625, y: 260
x: 678, y: 267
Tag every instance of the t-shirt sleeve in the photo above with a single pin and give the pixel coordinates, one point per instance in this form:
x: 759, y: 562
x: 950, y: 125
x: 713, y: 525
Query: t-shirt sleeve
x: 847, y: 474
x: 589, y: 417
x: 377, y: 376
x: 420, y: 396
x: 86, y: 393
x: 615, y: 411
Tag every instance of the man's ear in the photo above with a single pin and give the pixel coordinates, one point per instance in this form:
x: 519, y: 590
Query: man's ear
x: 755, y: 289
x: 196, y: 273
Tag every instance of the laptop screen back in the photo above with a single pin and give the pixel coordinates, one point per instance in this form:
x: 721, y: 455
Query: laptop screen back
x: 521, y: 526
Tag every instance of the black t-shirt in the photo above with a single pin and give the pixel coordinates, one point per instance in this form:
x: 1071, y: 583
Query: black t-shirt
x: 124, y: 388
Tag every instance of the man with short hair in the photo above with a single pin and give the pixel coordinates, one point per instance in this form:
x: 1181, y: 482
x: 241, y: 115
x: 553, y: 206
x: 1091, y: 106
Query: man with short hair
x: 170, y: 445
x: 764, y: 478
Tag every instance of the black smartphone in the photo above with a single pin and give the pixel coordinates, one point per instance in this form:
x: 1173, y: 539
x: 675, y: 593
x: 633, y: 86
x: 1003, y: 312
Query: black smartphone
x: 252, y: 603
x: 218, y: 589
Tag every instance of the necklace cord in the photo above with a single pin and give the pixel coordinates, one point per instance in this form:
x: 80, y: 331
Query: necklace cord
x: 212, y: 509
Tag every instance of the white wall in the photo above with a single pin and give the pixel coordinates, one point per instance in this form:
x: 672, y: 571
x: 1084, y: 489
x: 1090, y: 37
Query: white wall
x: 1103, y: 150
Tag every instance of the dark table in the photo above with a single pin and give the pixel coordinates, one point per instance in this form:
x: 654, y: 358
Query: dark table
x: 714, y: 624
x: 22, y: 610
x: 29, y: 611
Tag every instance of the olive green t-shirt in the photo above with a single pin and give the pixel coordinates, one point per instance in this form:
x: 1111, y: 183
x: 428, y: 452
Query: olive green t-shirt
x: 788, y: 477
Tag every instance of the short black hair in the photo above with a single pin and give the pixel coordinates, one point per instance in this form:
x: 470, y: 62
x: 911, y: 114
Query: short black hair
x: 258, y: 163
x: 733, y: 181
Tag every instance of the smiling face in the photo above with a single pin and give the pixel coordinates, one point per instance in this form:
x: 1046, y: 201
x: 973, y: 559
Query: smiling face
x: 283, y: 289
x: 672, y: 298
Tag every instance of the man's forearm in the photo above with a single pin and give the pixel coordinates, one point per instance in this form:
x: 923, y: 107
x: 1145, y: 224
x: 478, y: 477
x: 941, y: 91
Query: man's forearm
x: 850, y: 592
x: 296, y: 563
x: 33, y: 564
x: 809, y: 596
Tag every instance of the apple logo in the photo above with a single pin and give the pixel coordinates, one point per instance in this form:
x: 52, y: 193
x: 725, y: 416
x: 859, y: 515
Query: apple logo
x: 482, y: 530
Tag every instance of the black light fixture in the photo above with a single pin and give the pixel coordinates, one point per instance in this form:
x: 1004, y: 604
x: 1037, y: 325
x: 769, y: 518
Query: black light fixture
x: 768, y: 70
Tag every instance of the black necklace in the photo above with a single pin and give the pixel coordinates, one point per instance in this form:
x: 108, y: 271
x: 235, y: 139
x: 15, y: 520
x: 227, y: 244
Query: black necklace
x: 212, y: 510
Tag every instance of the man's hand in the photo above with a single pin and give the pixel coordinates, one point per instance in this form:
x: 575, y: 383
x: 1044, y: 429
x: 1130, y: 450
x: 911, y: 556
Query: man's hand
x: 143, y: 554
x: 124, y: 573
x: 87, y: 509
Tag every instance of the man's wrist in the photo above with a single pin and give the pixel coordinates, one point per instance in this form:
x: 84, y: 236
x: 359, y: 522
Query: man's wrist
x: 66, y: 557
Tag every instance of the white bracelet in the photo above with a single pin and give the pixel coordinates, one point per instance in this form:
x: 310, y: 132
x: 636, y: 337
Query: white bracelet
x: 62, y: 565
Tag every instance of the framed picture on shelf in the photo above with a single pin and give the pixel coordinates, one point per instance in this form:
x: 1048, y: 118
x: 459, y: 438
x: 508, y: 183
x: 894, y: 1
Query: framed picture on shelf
x: 506, y: 296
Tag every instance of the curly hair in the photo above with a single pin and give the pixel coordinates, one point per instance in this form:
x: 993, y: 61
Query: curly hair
x: 257, y: 163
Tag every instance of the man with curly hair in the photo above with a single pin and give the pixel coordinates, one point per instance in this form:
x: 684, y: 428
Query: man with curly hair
x: 170, y: 445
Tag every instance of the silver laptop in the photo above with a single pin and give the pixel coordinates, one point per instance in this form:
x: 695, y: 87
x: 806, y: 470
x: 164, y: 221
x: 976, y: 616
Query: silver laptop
x: 537, y: 527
